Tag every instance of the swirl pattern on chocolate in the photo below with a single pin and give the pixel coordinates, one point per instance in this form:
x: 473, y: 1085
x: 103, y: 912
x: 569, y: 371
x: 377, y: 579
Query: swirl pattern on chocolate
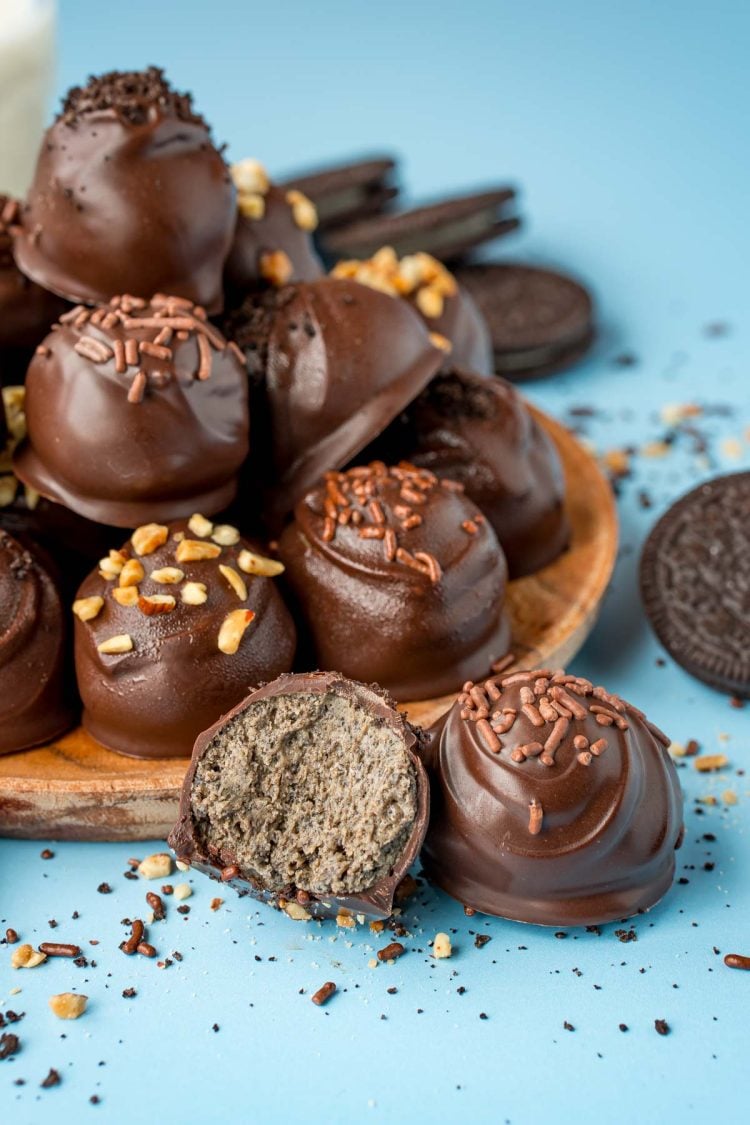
x: 173, y: 630
x: 35, y: 703
x: 554, y: 802
x: 399, y: 579
x: 129, y: 195
x: 136, y: 411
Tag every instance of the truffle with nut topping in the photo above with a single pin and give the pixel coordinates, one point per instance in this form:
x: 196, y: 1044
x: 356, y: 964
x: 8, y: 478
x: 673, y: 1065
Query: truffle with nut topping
x: 553, y: 802
x: 273, y: 237
x: 399, y: 579
x: 333, y: 363
x: 444, y: 305
x: 26, y: 310
x: 172, y: 630
x: 480, y: 432
x: 136, y: 411
x: 36, y: 700
x: 129, y: 195
x: 308, y: 795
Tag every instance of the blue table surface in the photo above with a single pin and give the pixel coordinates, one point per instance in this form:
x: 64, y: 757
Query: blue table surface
x: 626, y: 127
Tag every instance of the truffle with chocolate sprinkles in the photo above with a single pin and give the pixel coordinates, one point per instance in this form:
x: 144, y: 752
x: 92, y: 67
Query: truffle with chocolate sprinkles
x: 136, y: 411
x: 391, y: 585
x: 554, y: 802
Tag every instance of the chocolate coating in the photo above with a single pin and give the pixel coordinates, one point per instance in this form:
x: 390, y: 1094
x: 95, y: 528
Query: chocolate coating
x: 36, y: 704
x: 444, y: 305
x: 376, y: 902
x: 399, y: 579
x: 479, y: 431
x: 129, y: 195
x: 152, y: 700
x: 554, y: 802
x: 26, y: 310
x: 135, y: 412
x: 337, y: 361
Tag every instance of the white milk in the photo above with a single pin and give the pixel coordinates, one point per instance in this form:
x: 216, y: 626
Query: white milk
x: 27, y: 60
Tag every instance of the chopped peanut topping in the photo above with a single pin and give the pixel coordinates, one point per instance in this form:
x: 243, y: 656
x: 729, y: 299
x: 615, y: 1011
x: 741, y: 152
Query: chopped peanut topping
x: 225, y: 535
x: 132, y: 573
x: 156, y: 603
x: 439, y: 341
x: 711, y: 762
x: 126, y: 595
x: 114, y: 646
x: 235, y: 581
x: 196, y: 550
x: 26, y: 957
x: 193, y: 593
x: 167, y: 575
x: 250, y: 176
x: 68, y: 1005
x: 251, y: 205
x: 441, y: 946
x: 276, y: 268
x: 303, y: 210
x: 110, y: 567
x: 148, y: 538
x: 182, y: 891
x: 86, y: 609
x: 156, y: 866
x: 259, y: 564
x: 429, y: 302
x: 200, y: 526
x: 296, y: 912
x: 418, y: 276
x: 233, y: 630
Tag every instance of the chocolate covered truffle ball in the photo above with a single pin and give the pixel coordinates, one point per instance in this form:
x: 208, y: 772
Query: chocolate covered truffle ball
x: 480, y: 432
x: 26, y: 310
x: 399, y: 579
x: 36, y: 704
x: 334, y: 361
x: 129, y: 195
x: 273, y: 237
x: 308, y: 795
x: 444, y: 305
x: 554, y: 802
x: 172, y: 631
x: 136, y: 411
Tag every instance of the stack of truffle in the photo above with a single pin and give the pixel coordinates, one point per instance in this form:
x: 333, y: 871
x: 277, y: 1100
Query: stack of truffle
x: 198, y: 387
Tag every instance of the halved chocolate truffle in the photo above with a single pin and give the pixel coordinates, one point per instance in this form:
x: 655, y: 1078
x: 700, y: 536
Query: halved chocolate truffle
x: 554, y: 802
x: 36, y: 703
x: 26, y: 310
x: 172, y: 631
x: 273, y: 237
x: 129, y: 195
x: 444, y: 305
x: 336, y: 361
x: 399, y: 578
x: 135, y: 412
x: 480, y: 432
x: 309, y: 795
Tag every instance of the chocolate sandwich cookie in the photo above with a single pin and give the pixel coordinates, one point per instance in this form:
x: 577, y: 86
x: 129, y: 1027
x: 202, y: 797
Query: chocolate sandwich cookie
x: 130, y: 195
x: 553, y: 801
x: 309, y: 795
x: 344, y: 193
x: 540, y: 321
x: 447, y: 230
x: 36, y: 700
x: 695, y: 582
x: 172, y: 630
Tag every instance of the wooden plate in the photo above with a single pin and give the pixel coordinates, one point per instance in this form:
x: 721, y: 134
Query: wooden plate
x: 76, y: 790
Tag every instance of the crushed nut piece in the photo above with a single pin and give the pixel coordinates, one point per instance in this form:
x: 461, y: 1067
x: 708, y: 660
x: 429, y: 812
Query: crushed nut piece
x: 251, y: 205
x: 235, y: 581
x: 148, y: 538
x: 297, y: 912
x: 729, y: 797
x: 126, y: 595
x: 68, y: 1005
x: 196, y: 550
x: 200, y: 526
x: 345, y: 921
x: 225, y: 535
x: 115, y: 646
x: 156, y: 866
x: 303, y: 210
x: 193, y: 593
x: 110, y: 567
x: 250, y: 176
x: 156, y: 603
x: 442, y: 342
x: 183, y: 890
x: 259, y: 564
x: 132, y: 573
x: 86, y: 609
x: 276, y: 268
x: 181, y: 865
x: 711, y: 762
x: 441, y: 946
x: 216, y: 903
x: 26, y: 957
x: 233, y: 629
x: 429, y: 302
x: 167, y: 575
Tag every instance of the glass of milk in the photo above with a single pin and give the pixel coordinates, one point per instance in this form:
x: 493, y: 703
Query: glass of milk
x: 27, y: 71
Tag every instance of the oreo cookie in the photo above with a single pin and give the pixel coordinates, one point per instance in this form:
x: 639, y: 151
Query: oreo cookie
x: 540, y: 321
x: 695, y: 582
x: 448, y: 230
x: 346, y: 193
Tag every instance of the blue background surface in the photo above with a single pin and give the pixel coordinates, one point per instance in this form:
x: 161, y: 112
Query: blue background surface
x: 626, y: 126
